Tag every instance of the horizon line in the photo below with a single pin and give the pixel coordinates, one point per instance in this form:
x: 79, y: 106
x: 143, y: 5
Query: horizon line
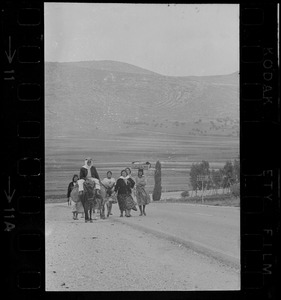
x: 79, y: 61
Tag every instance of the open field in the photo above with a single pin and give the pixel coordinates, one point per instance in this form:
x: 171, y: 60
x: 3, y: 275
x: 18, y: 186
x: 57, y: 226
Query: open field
x: 64, y: 157
x: 118, y: 113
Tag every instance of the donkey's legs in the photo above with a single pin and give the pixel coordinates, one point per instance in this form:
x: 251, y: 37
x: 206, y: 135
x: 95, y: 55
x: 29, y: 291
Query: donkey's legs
x: 92, y: 208
x: 102, y: 208
x: 90, y: 212
x: 109, y: 207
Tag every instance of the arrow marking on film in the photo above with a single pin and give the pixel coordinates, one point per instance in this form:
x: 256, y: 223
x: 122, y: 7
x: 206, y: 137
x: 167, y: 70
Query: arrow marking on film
x: 8, y: 195
x: 10, y: 55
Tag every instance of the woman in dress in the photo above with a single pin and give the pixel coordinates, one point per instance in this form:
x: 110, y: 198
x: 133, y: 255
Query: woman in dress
x: 123, y: 190
x: 131, y: 181
x: 131, y: 191
x: 108, y: 183
x: 142, y: 195
x: 70, y: 187
x: 75, y: 205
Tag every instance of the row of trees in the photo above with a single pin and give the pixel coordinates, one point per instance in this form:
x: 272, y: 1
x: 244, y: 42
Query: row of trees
x: 227, y: 177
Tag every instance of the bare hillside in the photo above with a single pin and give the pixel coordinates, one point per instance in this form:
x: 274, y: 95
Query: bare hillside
x: 115, y: 97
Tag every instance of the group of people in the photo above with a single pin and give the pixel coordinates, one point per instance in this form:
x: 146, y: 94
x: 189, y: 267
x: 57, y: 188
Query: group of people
x: 127, y: 191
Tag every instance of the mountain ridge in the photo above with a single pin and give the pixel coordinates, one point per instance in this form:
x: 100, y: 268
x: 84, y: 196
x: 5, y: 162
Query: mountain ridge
x: 109, y: 96
x: 113, y: 65
x: 109, y: 65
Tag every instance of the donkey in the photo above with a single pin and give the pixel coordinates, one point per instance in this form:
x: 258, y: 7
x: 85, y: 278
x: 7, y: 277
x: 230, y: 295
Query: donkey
x: 87, y: 197
x: 93, y: 197
x: 100, y: 198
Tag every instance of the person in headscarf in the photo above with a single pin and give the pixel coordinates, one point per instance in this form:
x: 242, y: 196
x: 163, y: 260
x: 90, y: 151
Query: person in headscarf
x: 142, y: 195
x: 130, y: 200
x: 122, y: 191
x: 70, y: 187
x: 88, y: 171
x: 124, y: 198
x: 131, y: 184
x: 130, y: 179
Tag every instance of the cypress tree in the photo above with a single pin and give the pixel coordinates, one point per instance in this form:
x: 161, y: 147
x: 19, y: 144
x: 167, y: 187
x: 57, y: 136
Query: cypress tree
x: 156, y: 196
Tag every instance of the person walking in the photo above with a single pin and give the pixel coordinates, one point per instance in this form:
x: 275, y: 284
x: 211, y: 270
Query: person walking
x: 108, y: 183
x: 70, y: 202
x: 131, y: 204
x: 131, y: 181
x: 142, y: 195
x: 70, y: 187
x: 123, y: 190
x: 75, y: 204
x: 130, y: 177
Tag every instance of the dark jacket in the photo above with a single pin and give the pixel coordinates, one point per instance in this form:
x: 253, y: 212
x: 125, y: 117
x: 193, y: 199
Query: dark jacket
x: 122, y: 188
x: 84, y: 172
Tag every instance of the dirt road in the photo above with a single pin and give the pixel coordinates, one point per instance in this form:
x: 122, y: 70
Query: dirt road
x: 125, y: 254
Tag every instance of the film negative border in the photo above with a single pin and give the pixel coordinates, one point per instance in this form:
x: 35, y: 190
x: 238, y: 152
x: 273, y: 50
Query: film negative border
x: 260, y: 170
x: 23, y: 158
x: 22, y: 175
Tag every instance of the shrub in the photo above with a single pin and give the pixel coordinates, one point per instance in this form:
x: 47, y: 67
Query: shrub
x: 235, y: 190
x: 185, y: 194
x: 156, y: 196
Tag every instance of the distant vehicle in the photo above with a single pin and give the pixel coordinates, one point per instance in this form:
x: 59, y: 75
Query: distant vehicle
x: 141, y: 165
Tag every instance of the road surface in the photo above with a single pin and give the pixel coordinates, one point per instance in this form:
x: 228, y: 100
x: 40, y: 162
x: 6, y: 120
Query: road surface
x: 175, y: 247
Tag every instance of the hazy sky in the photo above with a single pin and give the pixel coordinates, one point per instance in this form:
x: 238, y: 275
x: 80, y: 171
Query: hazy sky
x: 177, y: 40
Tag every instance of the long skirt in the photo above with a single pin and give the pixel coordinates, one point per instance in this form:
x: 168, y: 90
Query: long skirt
x: 126, y: 202
x: 142, y: 196
x: 121, y: 199
x: 130, y: 203
x: 77, y: 206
